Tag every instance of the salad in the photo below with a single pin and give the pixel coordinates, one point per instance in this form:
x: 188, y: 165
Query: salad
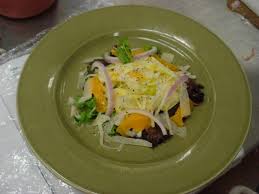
x: 135, y: 96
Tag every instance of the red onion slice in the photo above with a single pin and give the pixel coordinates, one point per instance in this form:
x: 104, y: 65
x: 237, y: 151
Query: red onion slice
x: 111, y: 59
x: 143, y: 112
x: 108, y: 85
x: 152, y: 51
x: 172, y: 89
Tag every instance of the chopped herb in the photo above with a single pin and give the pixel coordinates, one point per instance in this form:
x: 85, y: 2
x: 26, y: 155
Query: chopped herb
x: 87, y: 110
x: 124, y: 51
x: 147, y: 47
x: 113, y: 130
x: 87, y: 104
x: 82, y: 117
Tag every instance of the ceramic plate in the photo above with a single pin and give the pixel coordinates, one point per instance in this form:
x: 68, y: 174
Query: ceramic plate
x: 216, y: 129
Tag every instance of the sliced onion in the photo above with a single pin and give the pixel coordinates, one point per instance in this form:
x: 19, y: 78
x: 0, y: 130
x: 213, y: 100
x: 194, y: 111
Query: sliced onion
x: 71, y: 100
x: 152, y: 51
x: 100, y: 128
x: 184, y: 101
x: 108, y: 85
x: 87, y: 91
x: 184, y: 71
x: 118, y: 118
x: 168, y: 122
x: 81, y: 80
x: 101, y: 140
x: 83, y: 99
x: 142, y: 112
x: 190, y: 75
x: 184, y: 68
x: 107, y: 126
x: 110, y: 59
x: 89, y: 60
x: 99, y: 122
x: 89, y: 75
x: 180, y: 131
x: 168, y: 57
x: 129, y: 141
x: 73, y: 111
x: 135, y: 49
x: 172, y: 127
x: 170, y: 91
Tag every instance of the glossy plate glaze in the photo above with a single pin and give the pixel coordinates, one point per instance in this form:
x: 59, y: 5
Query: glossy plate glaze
x: 216, y: 129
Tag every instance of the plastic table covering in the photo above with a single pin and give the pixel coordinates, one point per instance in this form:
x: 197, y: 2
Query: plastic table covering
x: 21, y: 172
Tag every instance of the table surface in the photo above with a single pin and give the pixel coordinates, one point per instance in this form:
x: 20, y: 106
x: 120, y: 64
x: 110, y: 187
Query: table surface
x: 237, y: 33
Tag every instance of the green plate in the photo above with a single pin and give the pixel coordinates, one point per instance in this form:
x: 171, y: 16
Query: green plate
x: 216, y: 129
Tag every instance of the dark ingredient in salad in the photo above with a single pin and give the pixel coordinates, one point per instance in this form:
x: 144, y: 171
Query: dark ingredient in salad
x: 154, y: 135
x: 195, y: 91
x: 172, y: 110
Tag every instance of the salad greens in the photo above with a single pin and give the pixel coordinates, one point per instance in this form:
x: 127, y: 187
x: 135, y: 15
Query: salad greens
x: 135, y: 96
x: 86, y: 110
x: 124, y: 51
x: 113, y: 131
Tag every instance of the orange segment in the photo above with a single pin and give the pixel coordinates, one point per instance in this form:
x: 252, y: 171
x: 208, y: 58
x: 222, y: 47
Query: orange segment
x: 166, y: 64
x: 98, y: 91
x: 177, y: 118
x: 134, y: 121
